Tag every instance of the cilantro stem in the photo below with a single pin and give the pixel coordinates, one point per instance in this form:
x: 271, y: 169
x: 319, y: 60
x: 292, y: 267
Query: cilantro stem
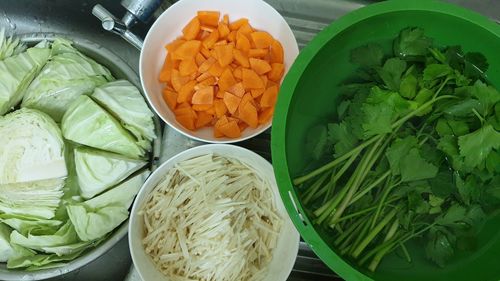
x: 348, y: 232
x: 335, y: 162
x: 405, y: 252
x: 361, y: 212
x: 360, y: 248
x: 314, y: 188
x: 478, y: 116
x: 378, y: 257
x: 370, y: 187
x: 420, y: 109
x: 359, y: 175
x: 382, y: 200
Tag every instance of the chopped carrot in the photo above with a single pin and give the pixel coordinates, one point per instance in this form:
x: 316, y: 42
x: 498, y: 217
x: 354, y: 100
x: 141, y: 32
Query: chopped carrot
x: 258, y: 53
x: 201, y: 107
x: 224, y: 54
x: 251, y: 80
x: 209, y: 17
x: 186, y: 92
x: 192, y: 29
x: 241, y: 58
x: 203, y: 76
x: 203, y: 119
x: 242, y: 43
x: 257, y: 92
x: 216, y: 69
x: 207, y: 28
x: 203, y: 96
x: 166, y: 71
x: 269, y: 97
x: 226, y: 80
x: 210, y: 81
x: 205, y: 66
x: 237, y: 24
x: 266, y: 115
x: 231, y: 37
x: 221, y: 74
x: 187, y: 67
x: 237, y: 89
x: 211, y: 39
x: 238, y: 73
x: 223, y: 30
x: 230, y: 130
x: 177, y: 80
x: 276, y: 73
x: 248, y: 114
x: 245, y: 29
x: 186, y: 121
x: 199, y: 59
x: 259, y: 66
x: 171, y: 47
x: 232, y: 102
x: 170, y: 98
x: 188, y: 49
x: 262, y: 39
x: 220, y: 108
x: 277, y: 53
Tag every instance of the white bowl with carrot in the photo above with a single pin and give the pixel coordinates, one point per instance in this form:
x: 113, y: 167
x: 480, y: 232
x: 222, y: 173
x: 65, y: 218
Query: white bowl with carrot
x: 212, y: 69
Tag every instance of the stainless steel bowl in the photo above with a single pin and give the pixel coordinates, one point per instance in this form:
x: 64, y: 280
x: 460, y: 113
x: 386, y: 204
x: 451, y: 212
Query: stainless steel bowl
x: 120, y: 70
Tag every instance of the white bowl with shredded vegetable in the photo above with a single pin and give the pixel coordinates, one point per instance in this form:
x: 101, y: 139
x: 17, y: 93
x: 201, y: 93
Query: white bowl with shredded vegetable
x: 212, y: 212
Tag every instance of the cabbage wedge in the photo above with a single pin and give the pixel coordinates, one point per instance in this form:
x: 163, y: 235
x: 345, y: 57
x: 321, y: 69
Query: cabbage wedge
x: 100, y: 215
x: 10, y: 46
x: 17, y: 72
x: 125, y: 102
x: 68, y: 75
x: 87, y: 123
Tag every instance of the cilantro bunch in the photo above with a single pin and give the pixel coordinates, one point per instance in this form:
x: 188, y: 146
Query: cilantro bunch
x: 416, y: 153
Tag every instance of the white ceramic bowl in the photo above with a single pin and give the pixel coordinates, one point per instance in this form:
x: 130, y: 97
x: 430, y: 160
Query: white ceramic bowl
x: 287, y: 248
x: 169, y: 26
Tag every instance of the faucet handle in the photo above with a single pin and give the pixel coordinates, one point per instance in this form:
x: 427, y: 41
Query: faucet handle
x: 113, y: 24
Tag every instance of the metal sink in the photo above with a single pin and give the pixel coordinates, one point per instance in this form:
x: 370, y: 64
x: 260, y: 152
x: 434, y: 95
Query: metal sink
x: 74, y: 19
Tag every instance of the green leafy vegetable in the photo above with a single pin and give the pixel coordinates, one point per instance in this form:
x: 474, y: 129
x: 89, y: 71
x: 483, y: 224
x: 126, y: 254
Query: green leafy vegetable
x: 64, y: 78
x: 87, y: 123
x: 416, y: 153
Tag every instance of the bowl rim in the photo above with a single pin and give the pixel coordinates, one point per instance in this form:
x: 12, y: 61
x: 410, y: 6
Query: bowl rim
x: 260, y: 129
x: 278, y: 131
x: 194, y: 152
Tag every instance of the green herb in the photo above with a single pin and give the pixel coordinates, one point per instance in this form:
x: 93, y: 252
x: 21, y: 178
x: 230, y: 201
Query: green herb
x: 416, y: 153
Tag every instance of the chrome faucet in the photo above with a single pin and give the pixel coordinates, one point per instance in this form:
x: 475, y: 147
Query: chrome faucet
x: 137, y: 10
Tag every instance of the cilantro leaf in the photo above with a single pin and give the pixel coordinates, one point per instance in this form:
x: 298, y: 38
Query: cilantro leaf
x: 465, y: 108
x: 435, y: 71
x: 396, y: 152
x: 493, y: 162
x: 448, y: 144
x: 391, y: 73
x: 412, y: 43
x: 408, y: 87
x: 317, y: 141
x: 453, y: 217
x: 446, y: 127
x: 342, y: 108
x: 438, y: 248
x: 476, y: 146
x: 369, y: 55
x: 486, y: 94
x: 380, y: 109
x: 442, y: 184
x: 413, y: 159
x: 475, y: 65
x: 423, y: 96
x: 342, y: 138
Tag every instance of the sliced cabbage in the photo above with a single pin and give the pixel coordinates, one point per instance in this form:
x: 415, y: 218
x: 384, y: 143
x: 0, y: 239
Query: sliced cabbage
x: 100, y: 215
x: 125, y: 102
x: 98, y: 170
x: 31, y: 148
x: 17, y: 72
x: 87, y: 123
x: 10, y: 46
x: 6, y: 250
x: 28, y: 224
x: 68, y: 75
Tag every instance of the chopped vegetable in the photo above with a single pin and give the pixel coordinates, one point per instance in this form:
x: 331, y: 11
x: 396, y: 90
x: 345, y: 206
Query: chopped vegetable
x: 415, y: 153
x: 213, y: 65
x: 211, y: 218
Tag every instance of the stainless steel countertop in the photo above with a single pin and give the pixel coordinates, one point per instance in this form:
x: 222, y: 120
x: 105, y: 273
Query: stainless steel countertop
x: 306, y: 18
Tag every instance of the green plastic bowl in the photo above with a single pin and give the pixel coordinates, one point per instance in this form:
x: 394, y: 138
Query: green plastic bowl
x: 309, y: 94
